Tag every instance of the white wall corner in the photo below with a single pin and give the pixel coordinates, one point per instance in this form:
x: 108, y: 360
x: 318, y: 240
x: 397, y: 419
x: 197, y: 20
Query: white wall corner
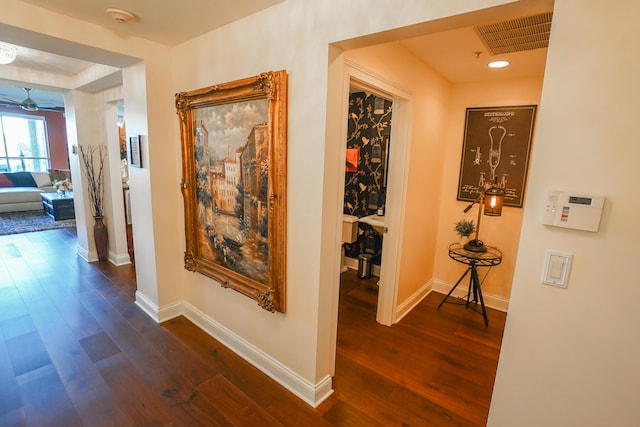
x: 493, y: 301
x: 312, y: 394
x: 411, y: 302
x: 119, y: 259
x: 86, y: 254
x: 147, y: 306
x: 159, y: 314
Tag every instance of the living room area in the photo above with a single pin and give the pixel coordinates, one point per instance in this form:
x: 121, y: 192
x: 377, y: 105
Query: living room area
x: 36, y: 189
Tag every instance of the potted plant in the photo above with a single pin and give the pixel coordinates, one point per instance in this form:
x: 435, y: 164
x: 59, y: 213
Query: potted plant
x: 464, y: 228
x: 93, y: 159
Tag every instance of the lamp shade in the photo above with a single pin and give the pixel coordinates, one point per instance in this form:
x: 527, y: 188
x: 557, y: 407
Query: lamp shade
x: 494, y: 197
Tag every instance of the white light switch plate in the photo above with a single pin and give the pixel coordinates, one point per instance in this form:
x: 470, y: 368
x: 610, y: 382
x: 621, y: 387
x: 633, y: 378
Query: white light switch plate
x: 556, y: 268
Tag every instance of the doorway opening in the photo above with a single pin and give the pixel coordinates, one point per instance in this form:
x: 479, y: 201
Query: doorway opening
x: 373, y: 184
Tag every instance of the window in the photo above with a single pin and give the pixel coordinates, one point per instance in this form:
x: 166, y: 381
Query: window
x: 24, y: 143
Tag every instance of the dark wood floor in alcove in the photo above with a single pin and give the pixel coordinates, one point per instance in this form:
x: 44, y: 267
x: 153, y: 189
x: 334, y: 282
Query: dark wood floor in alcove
x: 76, y: 351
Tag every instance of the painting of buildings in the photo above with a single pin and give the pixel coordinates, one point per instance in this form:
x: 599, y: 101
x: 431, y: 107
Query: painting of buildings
x: 232, y: 178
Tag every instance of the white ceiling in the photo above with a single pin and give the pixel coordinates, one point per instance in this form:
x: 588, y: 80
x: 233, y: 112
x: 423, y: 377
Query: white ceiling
x: 453, y: 54
x: 169, y: 22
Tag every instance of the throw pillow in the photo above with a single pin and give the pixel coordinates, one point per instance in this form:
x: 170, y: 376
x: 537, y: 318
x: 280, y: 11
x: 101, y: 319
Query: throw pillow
x: 5, y: 182
x: 41, y: 178
x: 59, y: 174
x: 21, y: 179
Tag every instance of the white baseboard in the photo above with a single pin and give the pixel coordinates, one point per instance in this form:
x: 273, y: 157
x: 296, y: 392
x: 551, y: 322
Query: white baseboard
x: 493, y: 301
x: 147, y: 306
x: 170, y: 311
x: 312, y: 394
x: 86, y: 255
x: 119, y: 259
x: 412, y: 301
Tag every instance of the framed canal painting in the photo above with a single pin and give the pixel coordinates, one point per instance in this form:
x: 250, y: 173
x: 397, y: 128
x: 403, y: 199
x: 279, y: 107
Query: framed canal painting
x: 234, y: 162
x: 495, y: 149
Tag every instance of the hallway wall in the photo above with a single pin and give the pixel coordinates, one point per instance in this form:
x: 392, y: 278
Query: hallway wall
x: 570, y: 356
x: 502, y: 232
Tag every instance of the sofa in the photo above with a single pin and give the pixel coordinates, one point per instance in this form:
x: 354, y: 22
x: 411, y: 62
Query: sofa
x: 20, y: 191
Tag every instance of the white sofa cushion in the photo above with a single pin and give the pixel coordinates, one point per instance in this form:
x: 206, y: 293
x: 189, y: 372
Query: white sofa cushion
x: 10, y: 195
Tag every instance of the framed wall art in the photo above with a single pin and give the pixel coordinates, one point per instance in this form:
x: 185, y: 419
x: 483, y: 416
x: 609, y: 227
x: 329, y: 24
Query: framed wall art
x: 134, y: 151
x: 496, y: 146
x: 234, y: 153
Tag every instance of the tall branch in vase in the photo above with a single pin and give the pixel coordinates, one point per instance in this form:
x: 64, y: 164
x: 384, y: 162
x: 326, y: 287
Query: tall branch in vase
x: 93, y: 159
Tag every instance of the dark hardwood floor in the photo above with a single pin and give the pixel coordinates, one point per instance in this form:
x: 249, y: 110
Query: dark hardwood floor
x: 76, y: 351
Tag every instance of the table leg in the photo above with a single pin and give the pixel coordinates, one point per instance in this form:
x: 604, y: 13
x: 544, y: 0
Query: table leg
x: 454, y: 287
x: 477, y: 293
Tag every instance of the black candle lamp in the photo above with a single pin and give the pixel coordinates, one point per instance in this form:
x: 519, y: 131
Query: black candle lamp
x: 490, y: 201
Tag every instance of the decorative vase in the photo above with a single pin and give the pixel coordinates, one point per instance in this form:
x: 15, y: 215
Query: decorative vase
x: 464, y: 240
x: 101, y: 238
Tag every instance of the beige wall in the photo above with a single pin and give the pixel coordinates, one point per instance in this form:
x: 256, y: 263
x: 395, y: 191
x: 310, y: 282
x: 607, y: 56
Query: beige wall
x: 294, y: 36
x: 434, y: 164
x: 570, y: 356
x: 502, y: 232
x: 429, y: 100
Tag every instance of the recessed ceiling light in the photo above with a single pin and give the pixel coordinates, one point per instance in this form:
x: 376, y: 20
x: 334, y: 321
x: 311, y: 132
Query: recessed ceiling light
x: 498, y: 64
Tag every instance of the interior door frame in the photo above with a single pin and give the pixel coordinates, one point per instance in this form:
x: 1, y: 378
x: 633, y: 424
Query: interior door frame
x: 359, y: 76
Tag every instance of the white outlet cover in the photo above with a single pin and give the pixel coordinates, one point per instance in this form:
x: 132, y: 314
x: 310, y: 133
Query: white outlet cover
x: 556, y: 268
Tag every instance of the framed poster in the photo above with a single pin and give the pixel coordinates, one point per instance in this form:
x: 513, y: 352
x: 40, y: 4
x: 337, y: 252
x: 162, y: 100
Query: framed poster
x: 496, y: 146
x: 134, y: 150
x: 234, y: 150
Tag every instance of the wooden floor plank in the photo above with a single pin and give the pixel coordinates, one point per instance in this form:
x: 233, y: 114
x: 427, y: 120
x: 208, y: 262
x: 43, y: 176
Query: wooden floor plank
x: 46, y: 402
x: 83, y: 384
x: 10, y: 399
x: 235, y: 405
x: 22, y: 361
x: 153, y: 368
x: 85, y: 354
x: 139, y: 401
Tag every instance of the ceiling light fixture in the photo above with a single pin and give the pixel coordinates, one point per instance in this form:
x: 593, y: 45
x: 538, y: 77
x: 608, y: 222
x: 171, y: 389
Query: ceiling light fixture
x: 7, y: 53
x: 498, y: 64
x: 120, y: 16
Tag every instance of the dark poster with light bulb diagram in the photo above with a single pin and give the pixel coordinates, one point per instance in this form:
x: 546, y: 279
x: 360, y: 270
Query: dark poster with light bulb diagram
x: 496, y: 146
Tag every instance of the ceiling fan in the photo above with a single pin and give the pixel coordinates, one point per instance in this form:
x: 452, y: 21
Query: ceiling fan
x: 29, y: 104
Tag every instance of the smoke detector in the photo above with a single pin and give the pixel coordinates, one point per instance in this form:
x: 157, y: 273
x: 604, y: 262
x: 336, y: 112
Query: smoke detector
x: 120, y: 16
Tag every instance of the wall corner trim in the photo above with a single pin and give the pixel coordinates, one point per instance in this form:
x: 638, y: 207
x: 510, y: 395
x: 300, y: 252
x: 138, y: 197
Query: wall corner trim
x: 406, y: 306
x: 312, y: 394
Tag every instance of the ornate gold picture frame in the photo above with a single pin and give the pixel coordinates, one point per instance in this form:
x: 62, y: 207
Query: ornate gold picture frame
x: 234, y: 163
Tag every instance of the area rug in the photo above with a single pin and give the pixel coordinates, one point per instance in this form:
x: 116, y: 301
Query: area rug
x: 28, y: 221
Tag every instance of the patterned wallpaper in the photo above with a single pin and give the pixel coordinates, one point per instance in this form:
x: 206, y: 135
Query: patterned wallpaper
x: 368, y: 142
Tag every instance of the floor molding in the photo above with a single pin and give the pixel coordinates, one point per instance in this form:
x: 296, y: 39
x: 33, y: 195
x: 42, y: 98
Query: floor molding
x: 148, y: 306
x: 404, y: 308
x: 312, y: 394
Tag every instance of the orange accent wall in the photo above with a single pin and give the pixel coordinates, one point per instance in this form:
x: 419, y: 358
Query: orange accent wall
x: 56, y: 133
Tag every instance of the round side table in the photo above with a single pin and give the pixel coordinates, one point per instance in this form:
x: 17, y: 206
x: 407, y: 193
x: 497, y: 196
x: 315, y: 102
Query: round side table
x: 473, y: 260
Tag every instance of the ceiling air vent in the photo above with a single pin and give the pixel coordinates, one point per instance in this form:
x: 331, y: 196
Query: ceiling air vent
x: 517, y: 35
